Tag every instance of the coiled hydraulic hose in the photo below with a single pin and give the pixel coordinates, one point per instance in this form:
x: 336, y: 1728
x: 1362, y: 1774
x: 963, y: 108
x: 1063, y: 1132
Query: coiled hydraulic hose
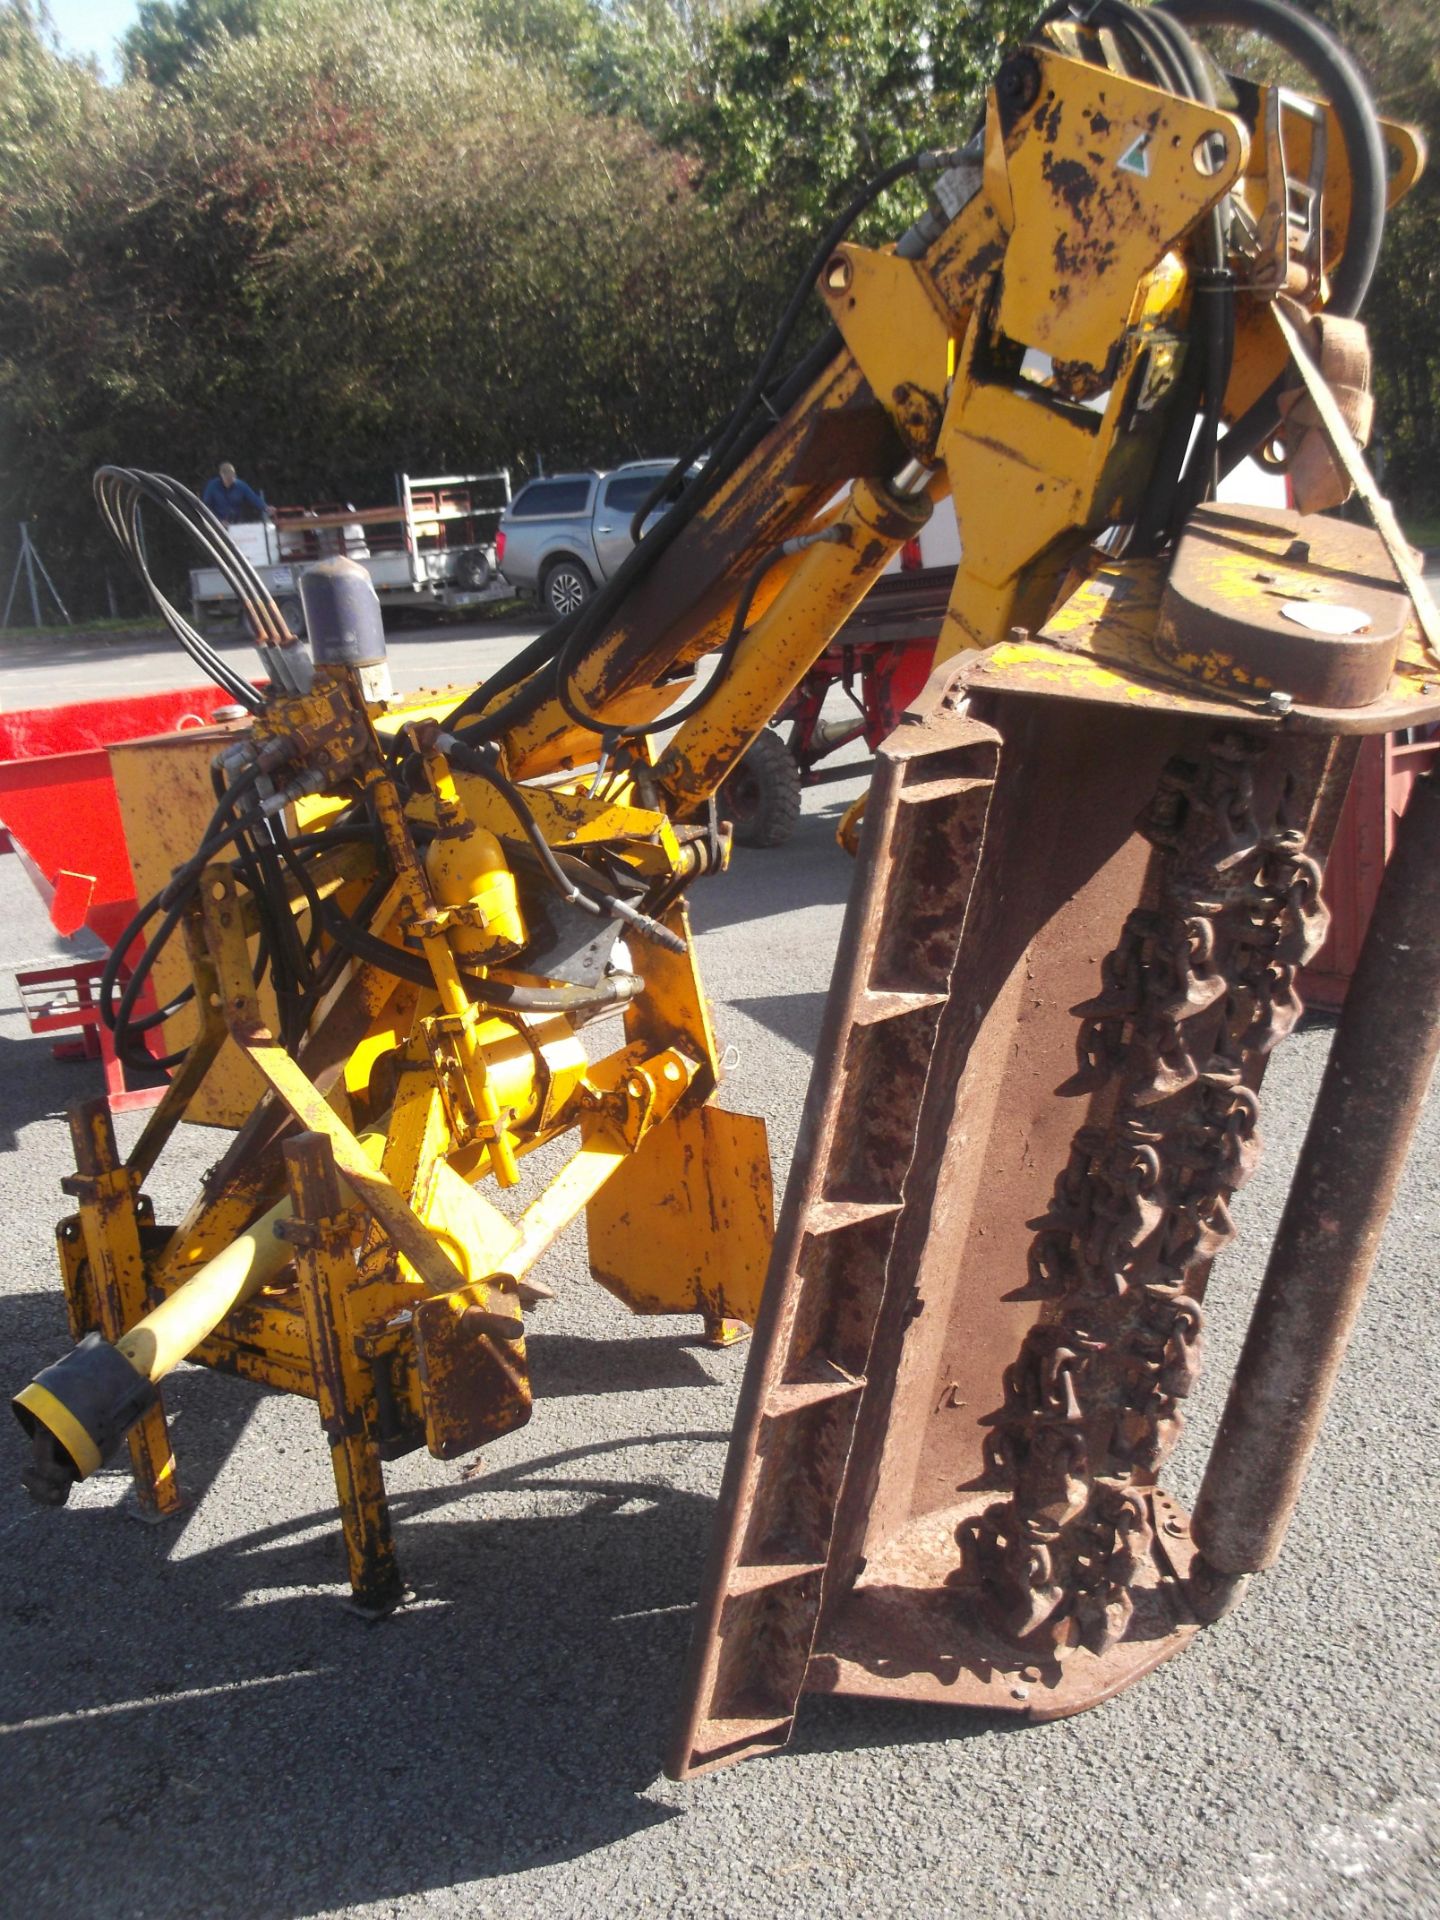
x: 1340, y: 82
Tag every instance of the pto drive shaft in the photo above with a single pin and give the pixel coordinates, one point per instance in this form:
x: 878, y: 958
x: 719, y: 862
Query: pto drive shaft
x: 79, y: 1410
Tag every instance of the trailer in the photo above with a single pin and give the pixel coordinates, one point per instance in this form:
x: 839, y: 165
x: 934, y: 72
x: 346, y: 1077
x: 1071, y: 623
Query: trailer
x: 432, y: 551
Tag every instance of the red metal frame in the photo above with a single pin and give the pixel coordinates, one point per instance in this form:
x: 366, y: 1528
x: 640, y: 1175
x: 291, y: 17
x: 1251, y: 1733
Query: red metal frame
x: 881, y: 677
x: 62, y: 999
x: 882, y: 657
x: 1385, y: 773
x: 61, y: 816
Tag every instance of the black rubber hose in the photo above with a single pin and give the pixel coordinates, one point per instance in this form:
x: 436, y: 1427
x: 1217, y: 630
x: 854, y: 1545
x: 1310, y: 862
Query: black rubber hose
x: 738, y: 627
x: 615, y: 990
x: 1341, y: 82
x: 491, y: 722
x: 605, y: 906
x: 119, y: 1018
x: 1185, y: 466
x: 1343, y: 85
x: 181, y: 883
x: 119, y: 492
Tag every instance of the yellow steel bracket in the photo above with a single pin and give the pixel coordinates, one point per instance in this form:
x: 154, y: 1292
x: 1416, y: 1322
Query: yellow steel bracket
x: 1121, y: 172
x: 901, y: 333
x: 225, y: 935
x: 685, y: 1224
x: 322, y: 1232
x: 1093, y: 177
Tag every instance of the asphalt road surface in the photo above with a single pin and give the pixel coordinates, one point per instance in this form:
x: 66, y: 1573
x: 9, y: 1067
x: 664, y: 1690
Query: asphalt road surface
x: 54, y: 669
x: 192, y: 1724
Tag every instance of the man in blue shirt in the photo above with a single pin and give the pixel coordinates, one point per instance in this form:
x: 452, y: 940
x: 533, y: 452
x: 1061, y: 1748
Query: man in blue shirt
x: 229, y: 499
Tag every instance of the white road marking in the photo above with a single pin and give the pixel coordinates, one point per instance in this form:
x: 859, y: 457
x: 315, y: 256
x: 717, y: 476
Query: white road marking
x: 43, y: 1722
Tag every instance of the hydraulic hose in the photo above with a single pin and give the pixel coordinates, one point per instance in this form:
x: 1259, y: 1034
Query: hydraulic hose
x: 550, y: 660
x: 1185, y: 464
x: 1341, y: 82
x: 604, y: 906
x: 507, y: 995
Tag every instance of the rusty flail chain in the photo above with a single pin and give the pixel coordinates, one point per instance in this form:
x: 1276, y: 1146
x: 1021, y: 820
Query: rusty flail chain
x: 1198, y: 986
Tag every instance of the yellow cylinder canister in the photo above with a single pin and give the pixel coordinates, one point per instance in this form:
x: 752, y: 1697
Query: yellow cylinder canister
x: 467, y: 868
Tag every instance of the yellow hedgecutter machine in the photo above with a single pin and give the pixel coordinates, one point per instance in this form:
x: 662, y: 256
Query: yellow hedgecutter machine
x: 397, y: 948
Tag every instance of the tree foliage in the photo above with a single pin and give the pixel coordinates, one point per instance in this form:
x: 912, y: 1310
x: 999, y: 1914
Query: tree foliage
x: 803, y: 99
x: 357, y: 241
x: 170, y: 36
x: 330, y: 239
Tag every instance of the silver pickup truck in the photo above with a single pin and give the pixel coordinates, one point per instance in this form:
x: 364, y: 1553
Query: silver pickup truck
x: 564, y: 533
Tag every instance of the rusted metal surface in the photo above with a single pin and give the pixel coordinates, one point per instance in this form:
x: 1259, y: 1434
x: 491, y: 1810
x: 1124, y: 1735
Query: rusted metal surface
x: 1262, y: 599
x: 1201, y: 983
x: 1375, y: 1081
x: 473, y: 1372
x: 322, y: 1232
x: 798, y: 1411
x: 706, y: 1247
x: 1019, y: 1235
x: 1386, y: 770
x: 1098, y: 646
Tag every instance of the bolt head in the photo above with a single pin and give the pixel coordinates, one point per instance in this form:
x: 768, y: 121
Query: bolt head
x: 1018, y: 81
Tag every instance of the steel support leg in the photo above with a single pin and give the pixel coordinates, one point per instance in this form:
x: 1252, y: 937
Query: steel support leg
x: 321, y: 1231
x: 109, y: 1222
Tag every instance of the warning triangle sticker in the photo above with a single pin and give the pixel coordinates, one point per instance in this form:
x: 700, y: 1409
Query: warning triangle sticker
x: 1136, y: 157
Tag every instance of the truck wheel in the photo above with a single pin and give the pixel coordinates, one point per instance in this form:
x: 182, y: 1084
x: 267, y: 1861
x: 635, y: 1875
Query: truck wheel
x: 566, y: 587
x: 761, y: 798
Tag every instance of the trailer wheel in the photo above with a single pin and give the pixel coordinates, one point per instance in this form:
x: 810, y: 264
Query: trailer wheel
x: 565, y: 588
x: 761, y: 798
x: 473, y: 571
